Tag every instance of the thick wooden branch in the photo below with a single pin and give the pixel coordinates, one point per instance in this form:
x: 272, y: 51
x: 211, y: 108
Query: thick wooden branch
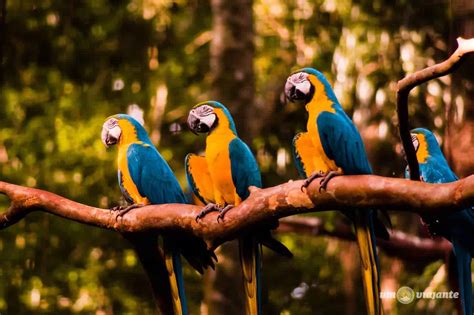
x: 404, y: 86
x: 263, y: 205
x: 401, y: 245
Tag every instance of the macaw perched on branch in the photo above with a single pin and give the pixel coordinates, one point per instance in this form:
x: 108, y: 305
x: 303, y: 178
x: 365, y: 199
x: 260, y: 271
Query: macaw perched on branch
x: 221, y: 179
x: 456, y: 227
x: 145, y: 178
x: 332, y: 146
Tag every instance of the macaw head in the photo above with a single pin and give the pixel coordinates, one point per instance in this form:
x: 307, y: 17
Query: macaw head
x: 303, y: 84
x: 122, y: 128
x: 425, y: 144
x: 208, y: 116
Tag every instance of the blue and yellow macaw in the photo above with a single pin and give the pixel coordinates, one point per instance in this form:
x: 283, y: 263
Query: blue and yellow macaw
x: 332, y: 146
x: 221, y: 179
x: 456, y: 227
x: 145, y: 178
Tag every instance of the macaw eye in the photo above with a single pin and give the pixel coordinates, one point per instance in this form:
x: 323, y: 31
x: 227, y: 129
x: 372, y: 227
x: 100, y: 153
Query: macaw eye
x: 205, y: 110
x: 298, y: 77
x: 111, y: 123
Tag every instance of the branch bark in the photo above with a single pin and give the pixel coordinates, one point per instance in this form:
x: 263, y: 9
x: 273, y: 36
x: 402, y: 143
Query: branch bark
x: 404, y: 86
x: 401, y: 245
x: 263, y: 205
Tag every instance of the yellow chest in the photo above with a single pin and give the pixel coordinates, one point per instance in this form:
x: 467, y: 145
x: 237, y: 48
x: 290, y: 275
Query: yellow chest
x: 126, y: 179
x: 422, y: 153
x: 218, y: 162
x: 320, y: 161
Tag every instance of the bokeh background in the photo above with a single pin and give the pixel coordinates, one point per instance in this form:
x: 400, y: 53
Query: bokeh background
x: 67, y: 65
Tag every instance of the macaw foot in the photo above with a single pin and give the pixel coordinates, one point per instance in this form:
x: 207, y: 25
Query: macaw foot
x: 325, y: 178
x: 123, y: 210
x: 222, y: 212
x: 310, y: 179
x: 211, y: 207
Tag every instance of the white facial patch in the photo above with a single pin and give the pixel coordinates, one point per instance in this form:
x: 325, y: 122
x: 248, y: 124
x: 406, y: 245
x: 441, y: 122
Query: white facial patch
x: 300, y: 82
x: 208, y: 120
x: 204, y: 110
x: 303, y: 87
x: 115, y: 132
x: 110, y: 129
x: 416, y: 142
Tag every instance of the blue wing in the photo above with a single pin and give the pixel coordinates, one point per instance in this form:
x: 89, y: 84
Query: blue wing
x: 455, y: 226
x: 342, y: 143
x: 153, y: 176
x: 244, y: 167
x: 437, y: 170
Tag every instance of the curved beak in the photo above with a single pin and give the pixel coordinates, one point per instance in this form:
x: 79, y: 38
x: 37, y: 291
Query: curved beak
x: 198, y: 124
x: 107, y: 138
x: 297, y: 92
x: 193, y: 122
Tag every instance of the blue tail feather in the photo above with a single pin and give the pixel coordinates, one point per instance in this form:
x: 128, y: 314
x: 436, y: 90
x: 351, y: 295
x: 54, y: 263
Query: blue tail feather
x: 372, y: 215
x: 463, y: 263
x: 178, y: 269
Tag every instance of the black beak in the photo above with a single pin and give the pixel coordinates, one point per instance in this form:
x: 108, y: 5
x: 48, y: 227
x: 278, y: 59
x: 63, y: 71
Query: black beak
x: 110, y: 140
x: 195, y: 124
x: 294, y: 95
x: 107, y: 138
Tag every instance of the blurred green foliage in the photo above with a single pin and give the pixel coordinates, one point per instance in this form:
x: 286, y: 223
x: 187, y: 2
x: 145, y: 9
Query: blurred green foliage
x: 71, y: 64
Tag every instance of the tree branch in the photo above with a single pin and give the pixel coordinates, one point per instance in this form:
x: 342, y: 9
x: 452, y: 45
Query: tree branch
x: 404, y: 86
x: 401, y: 245
x: 263, y: 205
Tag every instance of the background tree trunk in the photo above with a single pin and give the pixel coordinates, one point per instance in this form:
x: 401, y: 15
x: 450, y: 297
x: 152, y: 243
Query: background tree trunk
x: 3, y: 16
x: 223, y: 289
x: 459, y: 139
x: 232, y: 56
x: 350, y: 268
x: 233, y: 84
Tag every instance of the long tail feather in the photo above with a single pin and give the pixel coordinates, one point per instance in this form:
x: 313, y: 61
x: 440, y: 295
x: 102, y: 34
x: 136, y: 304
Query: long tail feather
x: 463, y: 264
x: 195, y: 251
x: 250, y: 262
x: 152, y: 260
x: 175, y: 276
x: 369, y: 262
x: 267, y: 240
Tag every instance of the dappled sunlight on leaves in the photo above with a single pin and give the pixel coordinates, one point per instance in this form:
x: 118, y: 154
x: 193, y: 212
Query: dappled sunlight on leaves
x: 70, y: 65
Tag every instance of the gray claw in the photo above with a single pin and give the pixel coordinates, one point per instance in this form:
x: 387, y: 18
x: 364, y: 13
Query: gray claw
x: 222, y: 212
x: 211, y: 207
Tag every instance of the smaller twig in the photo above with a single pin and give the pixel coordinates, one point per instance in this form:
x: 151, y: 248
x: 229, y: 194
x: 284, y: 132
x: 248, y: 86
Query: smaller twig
x: 404, y: 86
x: 401, y: 245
